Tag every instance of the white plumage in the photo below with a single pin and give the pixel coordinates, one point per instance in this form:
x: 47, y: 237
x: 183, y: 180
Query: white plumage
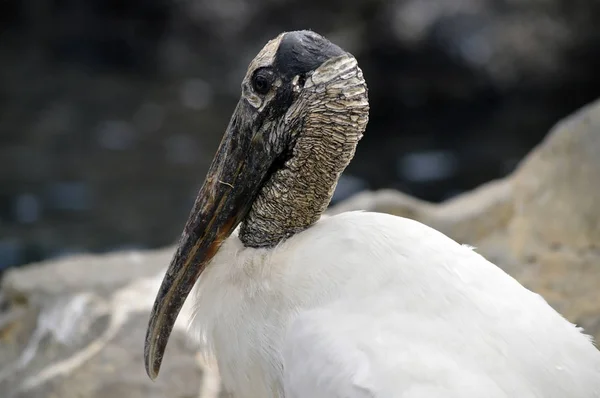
x: 372, y: 305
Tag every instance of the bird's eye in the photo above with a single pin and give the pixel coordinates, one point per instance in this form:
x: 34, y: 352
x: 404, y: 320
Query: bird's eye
x: 302, y: 80
x: 262, y: 81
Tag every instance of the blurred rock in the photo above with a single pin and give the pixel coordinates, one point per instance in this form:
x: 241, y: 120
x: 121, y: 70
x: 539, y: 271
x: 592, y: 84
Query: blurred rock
x: 75, y: 327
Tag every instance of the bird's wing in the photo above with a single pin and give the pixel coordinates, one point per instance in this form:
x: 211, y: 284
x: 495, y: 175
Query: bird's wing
x: 418, y: 315
x: 422, y: 316
x: 339, y: 352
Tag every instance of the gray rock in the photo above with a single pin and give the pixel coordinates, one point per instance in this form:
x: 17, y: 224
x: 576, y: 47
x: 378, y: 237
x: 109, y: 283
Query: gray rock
x: 76, y: 327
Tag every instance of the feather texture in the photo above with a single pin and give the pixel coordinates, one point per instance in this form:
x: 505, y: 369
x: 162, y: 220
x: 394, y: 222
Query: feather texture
x: 369, y: 305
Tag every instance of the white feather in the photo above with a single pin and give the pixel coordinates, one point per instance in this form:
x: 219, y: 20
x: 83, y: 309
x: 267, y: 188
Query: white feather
x: 372, y: 305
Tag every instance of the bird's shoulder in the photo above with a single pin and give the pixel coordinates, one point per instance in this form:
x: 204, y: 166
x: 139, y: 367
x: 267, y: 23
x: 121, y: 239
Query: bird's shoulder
x: 386, y: 247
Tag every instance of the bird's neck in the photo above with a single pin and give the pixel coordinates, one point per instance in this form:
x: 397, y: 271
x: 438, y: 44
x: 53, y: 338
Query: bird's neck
x: 295, y: 196
x: 335, y: 115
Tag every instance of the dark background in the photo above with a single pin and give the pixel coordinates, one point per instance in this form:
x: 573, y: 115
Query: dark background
x: 110, y: 111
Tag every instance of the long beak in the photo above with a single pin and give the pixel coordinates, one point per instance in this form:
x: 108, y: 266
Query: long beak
x: 232, y: 183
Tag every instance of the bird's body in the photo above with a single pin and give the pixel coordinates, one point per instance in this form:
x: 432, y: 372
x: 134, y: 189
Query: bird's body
x: 373, y: 305
x: 358, y: 305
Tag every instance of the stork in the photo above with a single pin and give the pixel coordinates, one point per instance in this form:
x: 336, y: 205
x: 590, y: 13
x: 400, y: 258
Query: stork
x: 356, y: 305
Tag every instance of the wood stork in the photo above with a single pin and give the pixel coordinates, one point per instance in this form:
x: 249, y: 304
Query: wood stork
x: 296, y: 305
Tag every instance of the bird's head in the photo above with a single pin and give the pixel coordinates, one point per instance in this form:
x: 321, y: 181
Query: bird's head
x: 303, y: 104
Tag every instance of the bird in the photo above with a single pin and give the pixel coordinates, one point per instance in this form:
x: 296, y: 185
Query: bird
x: 294, y: 303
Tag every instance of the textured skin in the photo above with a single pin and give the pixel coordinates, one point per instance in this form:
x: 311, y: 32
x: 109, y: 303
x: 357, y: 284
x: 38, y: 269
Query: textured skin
x: 328, y: 119
x: 373, y: 305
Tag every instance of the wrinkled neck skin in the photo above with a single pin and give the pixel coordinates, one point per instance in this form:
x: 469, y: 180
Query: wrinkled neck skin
x: 326, y: 122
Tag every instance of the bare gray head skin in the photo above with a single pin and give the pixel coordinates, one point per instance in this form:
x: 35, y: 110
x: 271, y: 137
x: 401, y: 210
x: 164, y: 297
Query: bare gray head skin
x: 303, y: 109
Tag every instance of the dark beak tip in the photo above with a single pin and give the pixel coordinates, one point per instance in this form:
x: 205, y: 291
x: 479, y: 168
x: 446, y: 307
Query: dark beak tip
x: 152, y: 376
x: 151, y: 364
x: 152, y: 369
